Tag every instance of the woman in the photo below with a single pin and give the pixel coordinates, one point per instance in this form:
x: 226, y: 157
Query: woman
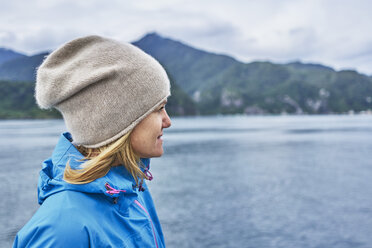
x: 92, y: 190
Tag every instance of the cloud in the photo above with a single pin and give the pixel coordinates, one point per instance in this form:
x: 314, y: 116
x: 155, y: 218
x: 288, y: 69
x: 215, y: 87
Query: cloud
x: 336, y: 33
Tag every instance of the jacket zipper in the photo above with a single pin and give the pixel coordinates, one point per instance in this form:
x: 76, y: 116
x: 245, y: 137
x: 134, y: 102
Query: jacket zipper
x: 152, y: 225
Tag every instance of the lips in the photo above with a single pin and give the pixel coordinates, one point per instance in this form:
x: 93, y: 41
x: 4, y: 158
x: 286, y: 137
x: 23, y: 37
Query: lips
x: 160, y: 136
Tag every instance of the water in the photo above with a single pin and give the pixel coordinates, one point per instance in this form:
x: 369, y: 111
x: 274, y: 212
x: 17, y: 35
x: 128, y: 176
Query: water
x: 278, y: 181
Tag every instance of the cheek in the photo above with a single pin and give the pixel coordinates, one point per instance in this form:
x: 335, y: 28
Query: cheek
x: 144, y: 137
x: 137, y: 140
x: 142, y: 141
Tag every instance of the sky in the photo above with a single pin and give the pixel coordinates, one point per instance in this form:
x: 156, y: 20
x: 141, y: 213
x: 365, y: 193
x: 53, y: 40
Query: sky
x: 335, y: 33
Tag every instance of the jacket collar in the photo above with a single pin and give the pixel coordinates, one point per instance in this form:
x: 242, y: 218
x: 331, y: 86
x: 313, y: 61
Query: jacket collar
x: 51, y: 176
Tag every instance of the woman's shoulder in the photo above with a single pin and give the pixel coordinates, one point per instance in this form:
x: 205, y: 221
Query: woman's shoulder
x: 62, y: 219
x: 53, y: 227
x: 75, y: 209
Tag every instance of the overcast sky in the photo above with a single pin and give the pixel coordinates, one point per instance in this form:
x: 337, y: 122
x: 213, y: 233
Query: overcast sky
x: 335, y: 33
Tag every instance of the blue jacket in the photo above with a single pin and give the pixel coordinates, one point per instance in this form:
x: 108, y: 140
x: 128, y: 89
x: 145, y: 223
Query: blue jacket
x: 90, y: 215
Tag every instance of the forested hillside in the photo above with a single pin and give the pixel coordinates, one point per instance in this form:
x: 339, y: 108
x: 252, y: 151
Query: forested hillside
x: 206, y: 83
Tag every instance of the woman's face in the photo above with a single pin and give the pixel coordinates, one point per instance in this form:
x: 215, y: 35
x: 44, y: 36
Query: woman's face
x: 146, y: 136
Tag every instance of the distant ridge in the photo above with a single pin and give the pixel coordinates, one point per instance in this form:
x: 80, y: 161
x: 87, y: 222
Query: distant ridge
x: 185, y: 62
x: 7, y: 54
x: 22, y: 68
x: 300, y: 65
x: 219, y: 84
x: 208, y: 83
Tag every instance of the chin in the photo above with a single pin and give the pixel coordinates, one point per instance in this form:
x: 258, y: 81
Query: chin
x: 159, y: 153
x: 153, y: 155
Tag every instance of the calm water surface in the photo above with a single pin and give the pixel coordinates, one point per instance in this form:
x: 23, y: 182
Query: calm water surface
x: 278, y: 181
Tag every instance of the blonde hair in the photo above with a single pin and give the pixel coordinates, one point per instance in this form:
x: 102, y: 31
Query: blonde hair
x: 98, y: 162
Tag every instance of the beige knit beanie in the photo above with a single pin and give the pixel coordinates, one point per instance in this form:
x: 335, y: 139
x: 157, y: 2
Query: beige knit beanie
x: 102, y: 87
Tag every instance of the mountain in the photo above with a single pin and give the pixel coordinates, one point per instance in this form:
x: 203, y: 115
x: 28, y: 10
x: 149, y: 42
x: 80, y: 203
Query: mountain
x: 17, y: 82
x: 17, y: 102
x: 221, y: 84
x: 208, y: 83
x: 7, y: 54
x: 22, y: 68
x: 179, y: 103
x: 189, y: 66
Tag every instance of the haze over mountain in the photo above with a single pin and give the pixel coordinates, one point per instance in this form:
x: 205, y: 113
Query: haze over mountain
x: 7, y: 54
x: 207, y: 83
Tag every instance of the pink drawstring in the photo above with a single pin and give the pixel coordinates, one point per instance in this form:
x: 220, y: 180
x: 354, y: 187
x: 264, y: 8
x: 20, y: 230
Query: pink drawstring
x: 148, y: 174
x: 149, y: 177
x: 111, y: 190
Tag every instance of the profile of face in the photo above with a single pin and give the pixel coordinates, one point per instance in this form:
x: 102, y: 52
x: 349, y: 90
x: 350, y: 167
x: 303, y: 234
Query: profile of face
x: 146, y: 138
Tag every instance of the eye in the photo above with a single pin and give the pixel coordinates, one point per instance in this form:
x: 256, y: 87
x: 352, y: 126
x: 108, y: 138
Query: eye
x: 162, y: 107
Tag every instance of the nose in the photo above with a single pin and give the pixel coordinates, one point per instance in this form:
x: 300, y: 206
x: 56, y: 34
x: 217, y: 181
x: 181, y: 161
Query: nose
x: 166, y: 120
